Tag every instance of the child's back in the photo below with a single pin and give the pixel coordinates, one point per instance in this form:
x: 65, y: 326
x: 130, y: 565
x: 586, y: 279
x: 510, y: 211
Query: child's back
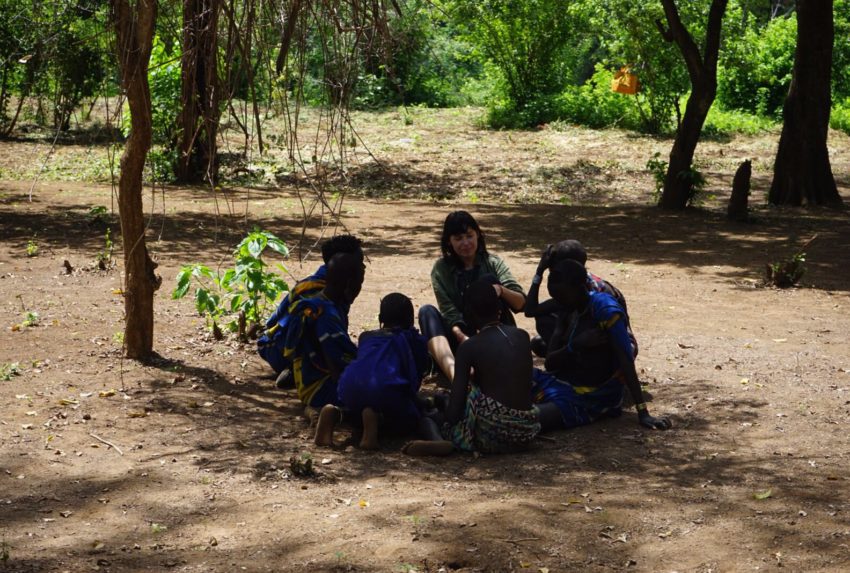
x: 386, y: 376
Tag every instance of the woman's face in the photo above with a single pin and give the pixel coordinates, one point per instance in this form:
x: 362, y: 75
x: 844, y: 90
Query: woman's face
x: 465, y: 244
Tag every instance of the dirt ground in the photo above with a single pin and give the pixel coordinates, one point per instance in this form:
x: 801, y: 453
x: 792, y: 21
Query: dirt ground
x: 182, y: 464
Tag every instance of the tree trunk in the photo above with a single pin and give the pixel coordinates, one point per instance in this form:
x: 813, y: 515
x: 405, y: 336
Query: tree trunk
x: 134, y: 28
x: 802, y: 173
x: 680, y: 180
x: 739, y: 199
x: 200, y: 92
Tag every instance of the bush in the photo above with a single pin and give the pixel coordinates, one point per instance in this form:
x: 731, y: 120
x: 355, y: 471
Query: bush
x: 756, y: 63
x: 721, y: 121
x: 595, y: 105
x: 840, y: 117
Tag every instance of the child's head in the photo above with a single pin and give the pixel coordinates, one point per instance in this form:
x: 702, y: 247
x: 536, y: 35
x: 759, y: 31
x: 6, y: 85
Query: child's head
x: 482, y: 304
x: 569, y: 249
x: 341, y: 244
x: 396, y: 311
x: 568, y: 283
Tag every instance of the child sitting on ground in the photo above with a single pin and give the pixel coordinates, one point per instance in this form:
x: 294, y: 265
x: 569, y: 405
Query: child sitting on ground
x: 380, y: 387
x: 492, y: 411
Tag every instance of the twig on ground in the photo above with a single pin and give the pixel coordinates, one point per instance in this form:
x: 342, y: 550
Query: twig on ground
x: 108, y: 443
x: 519, y: 539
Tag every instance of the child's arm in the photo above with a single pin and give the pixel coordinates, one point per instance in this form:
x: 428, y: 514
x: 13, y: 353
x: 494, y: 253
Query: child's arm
x: 559, y: 355
x: 460, y: 385
x: 623, y: 348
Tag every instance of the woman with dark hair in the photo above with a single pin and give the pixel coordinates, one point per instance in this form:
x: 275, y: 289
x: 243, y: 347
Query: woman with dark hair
x: 465, y: 259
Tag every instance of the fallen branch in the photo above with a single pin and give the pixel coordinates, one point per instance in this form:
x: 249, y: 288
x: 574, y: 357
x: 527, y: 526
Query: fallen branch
x: 108, y: 443
x: 520, y: 539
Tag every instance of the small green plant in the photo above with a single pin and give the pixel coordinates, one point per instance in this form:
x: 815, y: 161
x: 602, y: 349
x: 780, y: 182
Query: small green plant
x: 98, y: 215
x: 104, y: 257
x: 658, y: 168
x: 242, y: 293
x: 8, y: 370
x: 118, y: 338
x: 32, y: 248
x: 30, y: 319
x: 786, y: 273
x: 5, y: 550
x: 302, y: 466
x: 157, y: 528
x: 696, y: 184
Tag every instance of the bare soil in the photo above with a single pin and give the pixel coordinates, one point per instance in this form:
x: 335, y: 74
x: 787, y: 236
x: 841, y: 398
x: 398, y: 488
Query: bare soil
x: 183, y: 463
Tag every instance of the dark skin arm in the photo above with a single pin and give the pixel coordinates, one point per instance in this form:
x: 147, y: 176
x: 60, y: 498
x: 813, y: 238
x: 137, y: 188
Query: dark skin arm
x: 559, y: 356
x: 460, y: 385
x: 627, y: 367
x: 532, y: 305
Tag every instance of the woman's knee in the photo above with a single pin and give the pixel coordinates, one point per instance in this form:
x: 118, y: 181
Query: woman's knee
x: 431, y: 321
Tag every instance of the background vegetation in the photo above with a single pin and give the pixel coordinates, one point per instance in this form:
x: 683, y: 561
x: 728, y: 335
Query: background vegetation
x: 527, y: 63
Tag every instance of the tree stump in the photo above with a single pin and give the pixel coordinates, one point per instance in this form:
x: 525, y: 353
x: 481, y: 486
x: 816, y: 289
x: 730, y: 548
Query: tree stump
x: 738, y: 201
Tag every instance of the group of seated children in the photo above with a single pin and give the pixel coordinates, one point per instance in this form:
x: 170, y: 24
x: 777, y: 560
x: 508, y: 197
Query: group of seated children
x: 498, y: 401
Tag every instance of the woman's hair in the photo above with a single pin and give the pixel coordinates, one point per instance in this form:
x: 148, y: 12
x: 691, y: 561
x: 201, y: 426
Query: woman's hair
x: 459, y: 222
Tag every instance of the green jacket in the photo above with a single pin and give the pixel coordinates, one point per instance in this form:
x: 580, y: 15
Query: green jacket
x: 444, y: 280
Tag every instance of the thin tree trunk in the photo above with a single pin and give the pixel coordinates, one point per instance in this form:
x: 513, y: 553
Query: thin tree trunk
x: 679, y: 180
x: 134, y: 27
x: 802, y: 172
x: 200, y: 98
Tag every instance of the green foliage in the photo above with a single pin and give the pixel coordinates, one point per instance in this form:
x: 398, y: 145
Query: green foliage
x: 723, y: 122
x: 8, y: 370
x: 104, y: 257
x: 593, y: 104
x: 627, y: 35
x: 98, y: 215
x: 840, y: 116
x: 30, y: 319
x: 529, y: 44
x: 32, y: 248
x: 658, y: 168
x: 756, y: 62
x: 786, y: 273
x: 245, y: 291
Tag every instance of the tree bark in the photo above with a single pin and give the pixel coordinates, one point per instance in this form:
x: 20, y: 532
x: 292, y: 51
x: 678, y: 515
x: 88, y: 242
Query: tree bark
x: 134, y: 28
x: 200, y: 92
x: 801, y: 172
x: 702, y: 70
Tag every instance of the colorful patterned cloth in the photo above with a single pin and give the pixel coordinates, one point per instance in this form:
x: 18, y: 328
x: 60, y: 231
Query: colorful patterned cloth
x: 593, y: 385
x: 579, y: 405
x: 317, y: 344
x: 488, y: 426
x: 270, y: 345
x: 386, y: 376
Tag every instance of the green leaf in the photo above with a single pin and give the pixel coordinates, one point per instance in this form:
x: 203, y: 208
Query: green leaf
x: 278, y: 246
x: 183, y: 280
x: 760, y: 495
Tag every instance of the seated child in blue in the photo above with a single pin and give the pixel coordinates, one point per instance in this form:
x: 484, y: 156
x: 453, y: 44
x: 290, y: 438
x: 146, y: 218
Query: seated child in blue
x: 270, y: 345
x: 590, y: 361
x: 381, y: 386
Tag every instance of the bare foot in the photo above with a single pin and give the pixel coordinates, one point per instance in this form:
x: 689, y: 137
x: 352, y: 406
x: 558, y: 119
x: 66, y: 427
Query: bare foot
x: 328, y: 418
x: 428, y: 448
x: 369, y: 441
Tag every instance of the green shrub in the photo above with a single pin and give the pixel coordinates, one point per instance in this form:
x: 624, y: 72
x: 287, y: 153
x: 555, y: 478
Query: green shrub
x: 721, y: 122
x: 756, y: 63
x: 595, y: 105
x: 241, y: 294
x: 840, y: 117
